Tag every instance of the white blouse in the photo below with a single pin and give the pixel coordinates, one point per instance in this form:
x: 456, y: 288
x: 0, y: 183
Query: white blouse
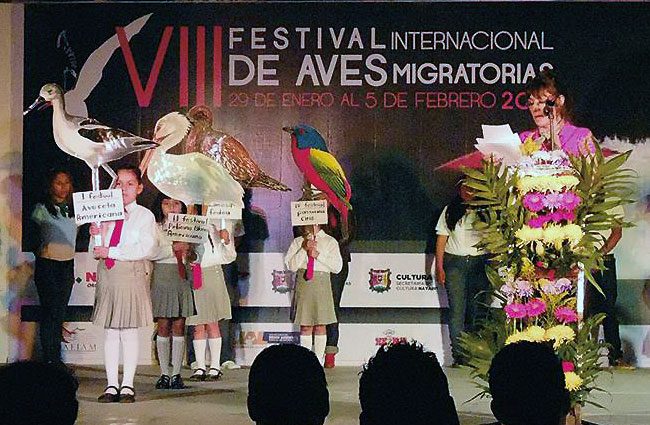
x: 329, y: 257
x: 214, y: 252
x: 163, y: 252
x: 463, y: 238
x: 138, y: 240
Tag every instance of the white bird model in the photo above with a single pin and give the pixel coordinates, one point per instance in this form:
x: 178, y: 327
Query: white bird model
x: 192, y: 178
x: 86, y: 138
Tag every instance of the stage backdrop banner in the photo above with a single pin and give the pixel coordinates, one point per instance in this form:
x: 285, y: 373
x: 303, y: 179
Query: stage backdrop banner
x: 391, y: 280
x: 357, y: 344
x: 83, y: 344
x: 85, y: 279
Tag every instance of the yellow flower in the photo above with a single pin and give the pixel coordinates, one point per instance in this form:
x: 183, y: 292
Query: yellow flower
x: 554, y: 234
x: 516, y: 337
x: 535, y: 334
x: 568, y: 181
x: 573, y: 233
x: 527, y: 268
x: 572, y: 381
x: 529, y: 146
x: 528, y: 234
x: 559, y: 334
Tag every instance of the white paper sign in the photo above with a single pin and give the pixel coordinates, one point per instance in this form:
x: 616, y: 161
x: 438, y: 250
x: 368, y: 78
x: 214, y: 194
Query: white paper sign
x: 98, y: 206
x: 308, y: 212
x: 187, y: 228
x: 224, y: 210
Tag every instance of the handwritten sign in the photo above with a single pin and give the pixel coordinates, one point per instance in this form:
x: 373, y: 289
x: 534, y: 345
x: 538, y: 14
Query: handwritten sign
x: 224, y: 210
x: 98, y: 206
x: 308, y: 212
x: 187, y: 228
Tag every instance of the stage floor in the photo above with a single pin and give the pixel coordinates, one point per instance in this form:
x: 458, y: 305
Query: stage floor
x: 224, y: 402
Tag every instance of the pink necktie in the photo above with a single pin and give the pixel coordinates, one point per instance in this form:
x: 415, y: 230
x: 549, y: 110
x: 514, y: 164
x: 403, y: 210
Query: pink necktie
x: 115, y: 239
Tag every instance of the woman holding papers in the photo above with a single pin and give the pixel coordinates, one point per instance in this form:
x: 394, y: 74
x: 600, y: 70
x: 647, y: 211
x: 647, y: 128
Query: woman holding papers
x: 460, y: 267
x: 550, y: 108
x: 54, y: 268
x: 122, y: 301
x: 171, y: 296
x: 212, y: 301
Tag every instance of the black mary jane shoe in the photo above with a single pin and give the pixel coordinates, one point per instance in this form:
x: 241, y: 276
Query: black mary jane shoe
x: 109, y: 397
x: 163, y: 382
x: 177, y: 383
x: 214, y: 376
x: 198, y: 375
x: 127, y: 398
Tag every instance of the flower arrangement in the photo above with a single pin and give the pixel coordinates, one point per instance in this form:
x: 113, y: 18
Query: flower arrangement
x: 539, y: 229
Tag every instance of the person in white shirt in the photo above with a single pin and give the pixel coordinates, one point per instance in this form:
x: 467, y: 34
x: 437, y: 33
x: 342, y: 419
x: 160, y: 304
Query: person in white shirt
x: 171, y: 295
x: 460, y: 268
x: 122, y: 299
x: 313, y: 298
x: 212, y: 301
x: 54, y: 268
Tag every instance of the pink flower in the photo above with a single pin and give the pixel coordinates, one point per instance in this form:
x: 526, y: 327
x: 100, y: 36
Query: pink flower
x: 515, y: 310
x: 550, y: 289
x: 535, y: 307
x: 524, y: 288
x: 552, y: 200
x: 533, y: 201
x: 537, y: 222
x: 568, y: 215
x: 556, y: 216
x: 563, y: 284
x: 568, y: 366
x: 569, y: 201
x: 566, y: 315
x: 551, y: 275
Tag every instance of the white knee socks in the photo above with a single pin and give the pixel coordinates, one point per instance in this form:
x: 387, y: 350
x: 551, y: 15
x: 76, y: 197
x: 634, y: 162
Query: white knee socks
x: 178, y: 349
x: 112, y: 357
x: 162, y: 346
x: 130, y: 351
x: 306, y: 341
x: 215, y: 352
x: 199, y: 352
x: 320, y: 341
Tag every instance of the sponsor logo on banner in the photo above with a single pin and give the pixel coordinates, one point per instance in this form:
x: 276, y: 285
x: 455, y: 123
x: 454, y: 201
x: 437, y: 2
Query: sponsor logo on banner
x: 251, y: 338
x: 389, y: 337
x: 88, y: 279
x: 283, y: 281
x: 379, y: 280
x: 78, y: 339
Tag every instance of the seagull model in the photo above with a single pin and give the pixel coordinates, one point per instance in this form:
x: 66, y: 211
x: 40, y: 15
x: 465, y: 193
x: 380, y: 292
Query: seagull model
x: 87, y: 139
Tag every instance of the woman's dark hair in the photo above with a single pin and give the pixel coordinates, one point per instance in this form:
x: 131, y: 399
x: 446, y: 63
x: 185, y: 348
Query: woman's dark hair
x: 66, y: 208
x: 547, y: 80
x: 455, y: 211
x: 132, y: 168
x: 156, y: 209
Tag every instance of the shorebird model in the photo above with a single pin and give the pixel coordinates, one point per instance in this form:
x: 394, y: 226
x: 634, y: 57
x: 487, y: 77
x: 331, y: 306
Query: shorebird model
x: 86, y: 138
x: 192, y: 178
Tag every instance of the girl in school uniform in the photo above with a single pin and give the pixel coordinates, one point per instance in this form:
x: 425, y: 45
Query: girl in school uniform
x: 54, y: 269
x: 313, y: 299
x: 171, y: 296
x: 122, y: 300
x: 212, y: 302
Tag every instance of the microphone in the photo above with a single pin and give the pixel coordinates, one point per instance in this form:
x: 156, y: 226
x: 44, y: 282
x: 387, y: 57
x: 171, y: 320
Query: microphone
x: 550, y: 103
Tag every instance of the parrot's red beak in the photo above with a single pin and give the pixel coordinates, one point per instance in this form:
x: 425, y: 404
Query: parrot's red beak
x: 288, y: 130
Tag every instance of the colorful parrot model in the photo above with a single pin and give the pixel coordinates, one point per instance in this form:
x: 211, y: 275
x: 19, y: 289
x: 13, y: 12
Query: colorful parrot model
x: 226, y: 150
x: 322, y: 171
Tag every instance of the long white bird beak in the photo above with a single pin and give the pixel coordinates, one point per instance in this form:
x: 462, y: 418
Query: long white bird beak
x: 39, y: 103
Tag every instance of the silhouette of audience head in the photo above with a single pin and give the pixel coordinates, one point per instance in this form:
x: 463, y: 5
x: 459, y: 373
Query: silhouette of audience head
x: 527, y: 385
x: 38, y: 393
x: 403, y: 384
x: 287, y: 386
